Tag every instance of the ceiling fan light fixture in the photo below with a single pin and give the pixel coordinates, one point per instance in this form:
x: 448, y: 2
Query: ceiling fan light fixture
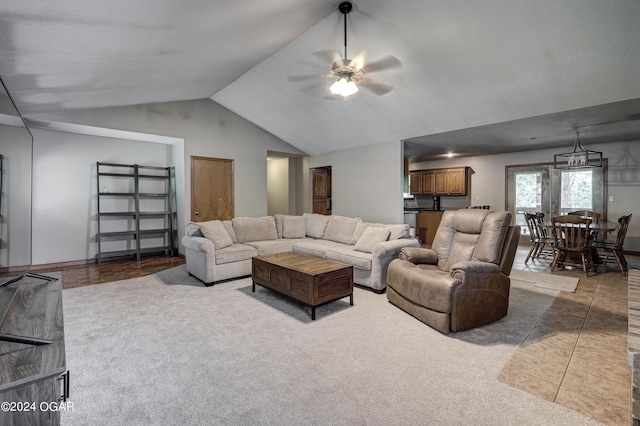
x: 344, y: 87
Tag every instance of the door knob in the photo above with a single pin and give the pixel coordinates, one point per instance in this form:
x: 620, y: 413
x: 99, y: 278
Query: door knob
x: 197, y: 213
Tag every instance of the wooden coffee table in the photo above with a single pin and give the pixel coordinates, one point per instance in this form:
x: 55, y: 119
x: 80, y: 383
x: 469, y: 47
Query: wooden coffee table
x: 310, y: 280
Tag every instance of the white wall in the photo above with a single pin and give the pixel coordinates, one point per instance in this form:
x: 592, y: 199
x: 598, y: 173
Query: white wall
x: 64, y: 189
x: 488, y: 180
x: 366, y: 182
x: 208, y: 130
x: 278, y: 186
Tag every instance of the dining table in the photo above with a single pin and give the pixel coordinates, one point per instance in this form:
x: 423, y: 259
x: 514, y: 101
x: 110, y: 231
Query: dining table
x: 599, y: 229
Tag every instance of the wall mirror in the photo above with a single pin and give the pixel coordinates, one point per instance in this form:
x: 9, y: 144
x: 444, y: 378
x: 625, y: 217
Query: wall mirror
x: 16, y: 149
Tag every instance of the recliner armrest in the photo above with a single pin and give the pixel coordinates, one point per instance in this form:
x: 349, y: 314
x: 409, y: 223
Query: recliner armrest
x: 419, y: 255
x: 474, y: 266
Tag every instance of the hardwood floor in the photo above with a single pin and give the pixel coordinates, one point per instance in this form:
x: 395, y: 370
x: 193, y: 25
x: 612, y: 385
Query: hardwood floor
x: 575, y: 356
x: 78, y: 276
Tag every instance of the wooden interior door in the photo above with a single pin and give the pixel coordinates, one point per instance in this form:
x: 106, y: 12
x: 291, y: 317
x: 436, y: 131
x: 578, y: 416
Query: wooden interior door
x: 321, y: 189
x: 211, y: 189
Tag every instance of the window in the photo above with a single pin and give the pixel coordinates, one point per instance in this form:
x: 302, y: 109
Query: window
x: 528, y: 196
x: 576, y: 190
x: 541, y: 188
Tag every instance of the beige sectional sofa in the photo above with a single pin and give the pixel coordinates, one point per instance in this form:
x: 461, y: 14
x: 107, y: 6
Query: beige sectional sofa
x: 222, y: 250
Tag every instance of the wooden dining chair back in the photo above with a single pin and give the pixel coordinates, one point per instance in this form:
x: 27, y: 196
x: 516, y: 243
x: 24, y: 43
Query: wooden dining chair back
x: 586, y: 213
x: 537, y: 235
x: 572, y: 238
x: 616, y: 247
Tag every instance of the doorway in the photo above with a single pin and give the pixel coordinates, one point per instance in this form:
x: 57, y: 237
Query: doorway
x: 321, y: 190
x: 554, y: 192
x: 211, y: 189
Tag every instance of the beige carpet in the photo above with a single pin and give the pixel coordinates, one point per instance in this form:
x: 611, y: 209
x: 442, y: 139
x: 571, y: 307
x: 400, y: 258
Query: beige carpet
x: 553, y: 282
x: 164, y: 349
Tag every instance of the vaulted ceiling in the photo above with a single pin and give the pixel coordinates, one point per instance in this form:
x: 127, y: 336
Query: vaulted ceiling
x: 561, y: 64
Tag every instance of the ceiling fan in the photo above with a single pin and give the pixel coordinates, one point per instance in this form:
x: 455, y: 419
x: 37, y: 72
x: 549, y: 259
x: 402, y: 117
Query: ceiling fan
x: 350, y: 74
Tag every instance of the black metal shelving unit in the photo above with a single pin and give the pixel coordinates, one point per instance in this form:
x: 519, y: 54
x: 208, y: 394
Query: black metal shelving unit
x: 135, y: 216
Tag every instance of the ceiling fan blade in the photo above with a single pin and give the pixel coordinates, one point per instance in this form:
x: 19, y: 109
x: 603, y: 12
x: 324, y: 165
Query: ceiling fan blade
x: 307, y: 77
x: 375, y: 87
x: 385, y: 63
x: 329, y: 56
x: 358, y: 62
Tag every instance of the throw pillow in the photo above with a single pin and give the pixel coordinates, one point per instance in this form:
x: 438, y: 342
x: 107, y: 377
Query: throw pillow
x: 370, y: 237
x: 293, y: 227
x: 229, y: 227
x: 315, y: 224
x: 214, y: 231
x: 254, y: 228
x: 340, y: 229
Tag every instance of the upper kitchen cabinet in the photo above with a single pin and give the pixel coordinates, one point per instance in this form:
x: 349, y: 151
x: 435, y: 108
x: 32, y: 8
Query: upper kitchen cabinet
x: 453, y: 181
x: 415, y: 183
x: 422, y: 182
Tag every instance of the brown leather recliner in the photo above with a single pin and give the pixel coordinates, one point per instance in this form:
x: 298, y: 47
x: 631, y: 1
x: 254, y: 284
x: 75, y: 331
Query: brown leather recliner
x: 463, y: 280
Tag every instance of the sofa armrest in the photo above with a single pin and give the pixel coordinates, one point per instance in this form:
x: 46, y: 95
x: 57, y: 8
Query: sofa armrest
x: 393, y: 247
x: 419, y: 255
x: 198, y: 244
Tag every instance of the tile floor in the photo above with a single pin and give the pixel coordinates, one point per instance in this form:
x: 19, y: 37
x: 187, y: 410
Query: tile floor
x: 576, y: 355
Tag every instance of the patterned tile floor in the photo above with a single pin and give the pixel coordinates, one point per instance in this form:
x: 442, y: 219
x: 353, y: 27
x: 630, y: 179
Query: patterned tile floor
x: 575, y: 356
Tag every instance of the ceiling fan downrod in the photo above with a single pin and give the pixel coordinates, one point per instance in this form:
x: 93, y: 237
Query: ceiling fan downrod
x: 344, y: 8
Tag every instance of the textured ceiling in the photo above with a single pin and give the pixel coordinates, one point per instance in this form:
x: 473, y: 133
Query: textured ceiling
x: 466, y: 65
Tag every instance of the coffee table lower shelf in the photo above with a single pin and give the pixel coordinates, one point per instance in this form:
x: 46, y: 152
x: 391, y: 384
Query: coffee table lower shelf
x: 309, y: 280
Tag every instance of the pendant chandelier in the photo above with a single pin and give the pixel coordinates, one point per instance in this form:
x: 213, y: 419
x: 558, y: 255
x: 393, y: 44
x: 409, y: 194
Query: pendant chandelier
x: 577, y: 158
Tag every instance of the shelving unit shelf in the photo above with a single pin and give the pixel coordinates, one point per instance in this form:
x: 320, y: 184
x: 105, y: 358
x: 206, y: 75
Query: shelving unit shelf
x: 135, y: 204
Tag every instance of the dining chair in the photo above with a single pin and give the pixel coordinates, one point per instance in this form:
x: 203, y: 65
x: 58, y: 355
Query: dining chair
x: 586, y: 213
x: 572, y: 237
x: 615, y: 247
x: 538, y: 236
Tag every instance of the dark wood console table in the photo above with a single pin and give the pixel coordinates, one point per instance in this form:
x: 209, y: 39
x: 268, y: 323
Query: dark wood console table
x: 33, y: 382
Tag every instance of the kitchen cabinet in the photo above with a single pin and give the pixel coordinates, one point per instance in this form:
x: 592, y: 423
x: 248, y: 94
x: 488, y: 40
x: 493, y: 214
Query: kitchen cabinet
x: 452, y: 181
x: 428, y: 182
x: 415, y: 183
x: 441, y: 187
x: 457, y: 181
x: 427, y: 224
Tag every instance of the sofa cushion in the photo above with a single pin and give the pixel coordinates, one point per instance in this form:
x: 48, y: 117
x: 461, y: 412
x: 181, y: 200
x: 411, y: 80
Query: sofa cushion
x: 348, y: 255
x: 395, y: 231
x: 293, y: 227
x: 315, y: 248
x: 254, y: 228
x: 235, y: 253
x: 214, y: 230
x: 370, y: 237
x: 340, y: 229
x: 315, y: 224
x: 279, y: 218
x: 193, y: 230
x: 272, y: 246
x: 229, y: 227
